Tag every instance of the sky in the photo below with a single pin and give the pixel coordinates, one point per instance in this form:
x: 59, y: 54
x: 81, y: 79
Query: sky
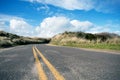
x: 46, y: 18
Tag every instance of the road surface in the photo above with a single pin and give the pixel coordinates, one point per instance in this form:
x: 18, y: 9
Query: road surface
x: 43, y: 62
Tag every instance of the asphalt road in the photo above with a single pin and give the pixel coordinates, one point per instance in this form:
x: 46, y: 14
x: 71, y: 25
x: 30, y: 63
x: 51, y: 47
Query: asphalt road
x: 18, y: 63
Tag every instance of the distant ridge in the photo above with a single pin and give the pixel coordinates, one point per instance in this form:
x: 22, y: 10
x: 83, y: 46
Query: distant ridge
x: 9, y: 39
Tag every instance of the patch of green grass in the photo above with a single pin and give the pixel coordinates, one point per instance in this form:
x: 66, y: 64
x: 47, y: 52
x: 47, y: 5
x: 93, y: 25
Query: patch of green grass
x: 109, y: 46
x: 95, y: 46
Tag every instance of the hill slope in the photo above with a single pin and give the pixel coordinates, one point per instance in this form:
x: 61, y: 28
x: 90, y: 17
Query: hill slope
x: 88, y: 40
x: 8, y: 40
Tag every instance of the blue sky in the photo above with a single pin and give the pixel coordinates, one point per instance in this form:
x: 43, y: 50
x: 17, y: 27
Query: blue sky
x: 46, y: 18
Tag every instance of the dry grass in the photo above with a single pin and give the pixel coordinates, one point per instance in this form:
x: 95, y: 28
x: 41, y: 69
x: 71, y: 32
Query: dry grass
x: 8, y: 40
x: 66, y: 40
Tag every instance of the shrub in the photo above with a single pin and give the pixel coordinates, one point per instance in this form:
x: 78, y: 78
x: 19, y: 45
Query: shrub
x: 5, y: 44
x: 90, y: 37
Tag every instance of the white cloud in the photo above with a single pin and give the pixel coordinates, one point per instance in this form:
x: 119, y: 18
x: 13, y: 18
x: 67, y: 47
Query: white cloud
x: 79, y: 25
x: 117, y: 32
x: 21, y: 27
x: 51, y: 26
x: 110, y: 27
x: 16, y: 25
x: 98, y: 29
x: 54, y: 25
x: 98, y: 5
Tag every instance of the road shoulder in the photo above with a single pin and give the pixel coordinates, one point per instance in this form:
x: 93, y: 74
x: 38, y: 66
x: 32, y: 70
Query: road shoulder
x: 90, y: 49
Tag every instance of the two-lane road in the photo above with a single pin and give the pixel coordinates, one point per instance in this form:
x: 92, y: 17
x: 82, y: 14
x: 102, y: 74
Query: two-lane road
x: 26, y: 63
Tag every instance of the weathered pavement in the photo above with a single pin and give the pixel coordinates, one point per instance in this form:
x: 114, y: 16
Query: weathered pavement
x: 18, y: 63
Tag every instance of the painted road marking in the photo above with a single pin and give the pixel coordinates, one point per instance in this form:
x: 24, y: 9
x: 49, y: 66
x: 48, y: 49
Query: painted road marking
x: 54, y: 71
x: 41, y: 73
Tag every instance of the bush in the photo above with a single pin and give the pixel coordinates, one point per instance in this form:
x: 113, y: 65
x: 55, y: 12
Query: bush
x: 90, y: 37
x: 5, y: 44
x: 20, y: 42
x: 80, y: 34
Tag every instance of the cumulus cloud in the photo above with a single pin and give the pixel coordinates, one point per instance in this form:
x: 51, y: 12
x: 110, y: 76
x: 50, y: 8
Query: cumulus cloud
x: 81, y: 25
x: 21, y: 27
x: 51, y: 26
x: 98, y: 5
x: 16, y: 25
x: 54, y: 25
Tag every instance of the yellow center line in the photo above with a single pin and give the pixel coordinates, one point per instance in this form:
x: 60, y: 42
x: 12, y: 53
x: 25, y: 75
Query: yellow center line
x: 41, y: 73
x: 51, y: 67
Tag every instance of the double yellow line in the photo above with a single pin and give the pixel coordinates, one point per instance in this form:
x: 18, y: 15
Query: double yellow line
x: 41, y: 73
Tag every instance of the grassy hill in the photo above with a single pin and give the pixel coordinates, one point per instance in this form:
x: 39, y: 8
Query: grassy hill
x: 74, y: 39
x: 8, y: 40
x: 88, y: 40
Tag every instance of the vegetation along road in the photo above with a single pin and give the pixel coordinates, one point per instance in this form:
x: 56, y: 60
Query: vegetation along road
x: 44, y: 62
